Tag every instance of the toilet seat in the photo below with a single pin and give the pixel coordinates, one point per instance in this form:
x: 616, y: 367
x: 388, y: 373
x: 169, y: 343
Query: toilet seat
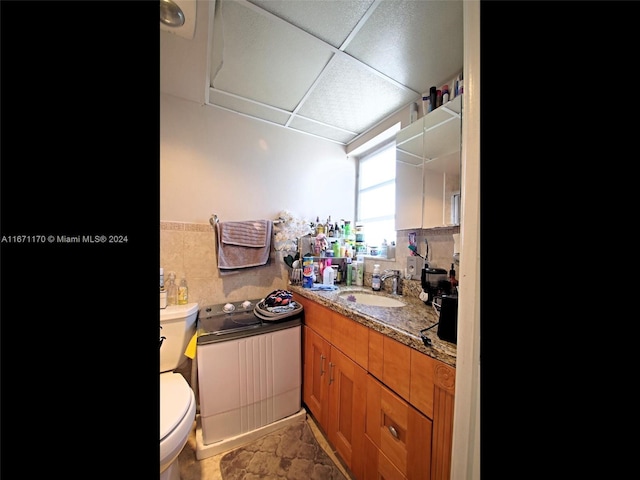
x: 177, y: 413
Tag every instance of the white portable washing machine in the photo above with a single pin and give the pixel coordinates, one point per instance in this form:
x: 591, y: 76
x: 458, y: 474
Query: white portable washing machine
x: 249, y: 375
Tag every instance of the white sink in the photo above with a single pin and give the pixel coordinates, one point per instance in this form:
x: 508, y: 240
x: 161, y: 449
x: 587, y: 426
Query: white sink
x: 371, y: 299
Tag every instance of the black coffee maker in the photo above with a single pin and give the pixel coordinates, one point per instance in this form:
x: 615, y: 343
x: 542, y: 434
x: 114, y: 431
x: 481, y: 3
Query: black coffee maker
x: 447, y: 308
x: 435, y: 282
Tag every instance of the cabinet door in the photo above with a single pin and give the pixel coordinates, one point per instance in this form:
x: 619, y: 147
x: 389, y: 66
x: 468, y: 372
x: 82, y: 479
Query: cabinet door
x: 347, y: 400
x: 433, y: 207
x: 399, y: 431
x: 316, y: 375
x: 433, y: 392
x: 408, y: 193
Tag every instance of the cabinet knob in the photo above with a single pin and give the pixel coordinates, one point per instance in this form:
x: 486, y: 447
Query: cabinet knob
x: 393, y: 431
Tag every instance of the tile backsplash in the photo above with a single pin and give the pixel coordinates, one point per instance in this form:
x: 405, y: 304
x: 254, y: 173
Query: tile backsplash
x: 189, y: 250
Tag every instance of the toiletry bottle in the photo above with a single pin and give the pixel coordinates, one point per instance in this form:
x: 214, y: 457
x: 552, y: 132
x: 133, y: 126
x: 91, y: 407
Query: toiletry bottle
x: 360, y: 271
x: 335, y: 246
x: 163, y: 291
x: 172, y: 290
x: 432, y: 97
x: 375, y: 279
x: 183, y: 292
x: 349, y: 272
x: 445, y: 94
x: 361, y: 246
x: 328, y: 276
x: 452, y: 279
x: 425, y: 103
x: 413, y: 113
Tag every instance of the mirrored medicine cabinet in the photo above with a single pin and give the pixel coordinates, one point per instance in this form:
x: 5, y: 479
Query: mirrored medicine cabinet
x: 428, y: 169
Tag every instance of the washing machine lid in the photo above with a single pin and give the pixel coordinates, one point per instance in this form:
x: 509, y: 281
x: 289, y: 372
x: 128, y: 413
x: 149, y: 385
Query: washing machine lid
x: 175, y: 399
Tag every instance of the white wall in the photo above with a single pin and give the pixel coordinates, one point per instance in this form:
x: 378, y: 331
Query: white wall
x: 213, y: 161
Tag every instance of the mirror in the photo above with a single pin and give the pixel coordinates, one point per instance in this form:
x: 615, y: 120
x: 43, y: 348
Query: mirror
x: 428, y: 169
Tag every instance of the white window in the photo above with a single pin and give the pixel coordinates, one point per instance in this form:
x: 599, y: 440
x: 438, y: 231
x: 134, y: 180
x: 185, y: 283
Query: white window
x: 376, y: 201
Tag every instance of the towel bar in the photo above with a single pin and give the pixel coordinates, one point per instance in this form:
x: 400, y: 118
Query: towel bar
x: 214, y: 220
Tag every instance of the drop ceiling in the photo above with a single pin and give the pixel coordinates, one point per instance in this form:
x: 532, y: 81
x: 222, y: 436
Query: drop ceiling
x: 329, y: 68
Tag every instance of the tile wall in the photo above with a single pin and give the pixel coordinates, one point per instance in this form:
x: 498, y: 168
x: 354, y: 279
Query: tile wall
x: 189, y: 250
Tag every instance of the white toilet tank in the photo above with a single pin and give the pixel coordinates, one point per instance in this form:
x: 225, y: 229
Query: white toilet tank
x: 178, y: 324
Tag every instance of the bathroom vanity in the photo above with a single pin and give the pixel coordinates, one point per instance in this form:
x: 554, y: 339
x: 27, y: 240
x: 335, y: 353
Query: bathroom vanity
x: 383, y: 398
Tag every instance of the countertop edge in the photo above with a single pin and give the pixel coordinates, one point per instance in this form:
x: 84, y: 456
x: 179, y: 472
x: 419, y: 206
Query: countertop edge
x: 401, y: 324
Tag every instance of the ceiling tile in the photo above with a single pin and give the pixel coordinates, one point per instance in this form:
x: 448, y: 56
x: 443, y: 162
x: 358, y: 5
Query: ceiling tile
x: 330, y: 21
x: 414, y: 42
x: 353, y: 98
x: 266, y: 61
x: 280, y: 61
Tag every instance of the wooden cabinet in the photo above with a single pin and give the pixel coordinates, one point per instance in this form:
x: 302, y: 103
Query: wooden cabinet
x: 386, y: 408
x: 334, y: 385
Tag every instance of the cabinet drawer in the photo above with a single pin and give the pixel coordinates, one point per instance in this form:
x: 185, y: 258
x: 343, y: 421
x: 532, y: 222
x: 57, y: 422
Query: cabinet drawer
x: 399, y: 431
x: 390, y: 361
x: 351, y: 338
x: 378, y: 466
x: 316, y: 316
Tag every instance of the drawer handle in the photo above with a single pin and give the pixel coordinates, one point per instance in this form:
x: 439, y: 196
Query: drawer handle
x: 393, y: 431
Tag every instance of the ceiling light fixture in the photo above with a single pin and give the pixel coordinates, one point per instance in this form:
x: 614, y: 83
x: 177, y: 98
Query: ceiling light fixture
x: 171, y: 14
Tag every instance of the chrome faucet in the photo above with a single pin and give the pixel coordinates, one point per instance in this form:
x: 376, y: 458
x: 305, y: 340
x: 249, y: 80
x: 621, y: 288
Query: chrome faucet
x: 395, y: 274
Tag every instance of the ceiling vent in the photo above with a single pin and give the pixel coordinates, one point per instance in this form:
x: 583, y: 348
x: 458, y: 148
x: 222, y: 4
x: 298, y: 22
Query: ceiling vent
x: 178, y: 17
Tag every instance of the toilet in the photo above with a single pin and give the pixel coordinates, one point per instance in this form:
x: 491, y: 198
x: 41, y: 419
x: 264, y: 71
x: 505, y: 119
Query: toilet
x: 177, y: 399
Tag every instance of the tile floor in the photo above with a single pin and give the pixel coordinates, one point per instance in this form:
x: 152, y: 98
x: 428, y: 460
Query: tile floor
x: 209, y: 468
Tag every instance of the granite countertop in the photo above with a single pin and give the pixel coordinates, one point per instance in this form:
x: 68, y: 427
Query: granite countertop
x: 400, y: 323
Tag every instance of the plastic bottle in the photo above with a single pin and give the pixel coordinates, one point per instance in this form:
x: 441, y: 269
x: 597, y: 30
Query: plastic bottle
x: 183, y: 292
x: 163, y: 292
x: 328, y: 276
x: 426, y: 103
x: 432, y: 97
x: 413, y: 113
x: 445, y: 94
x: 452, y: 279
x: 360, y: 270
x: 335, y: 246
x: 361, y: 246
x: 375, y: 279
x: 172, y: 290
x: 349, y: 272
x: 349, y: 236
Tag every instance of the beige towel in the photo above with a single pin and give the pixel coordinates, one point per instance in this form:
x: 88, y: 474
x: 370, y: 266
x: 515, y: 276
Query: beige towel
x: 251, y: 233
x: 243, y: 245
